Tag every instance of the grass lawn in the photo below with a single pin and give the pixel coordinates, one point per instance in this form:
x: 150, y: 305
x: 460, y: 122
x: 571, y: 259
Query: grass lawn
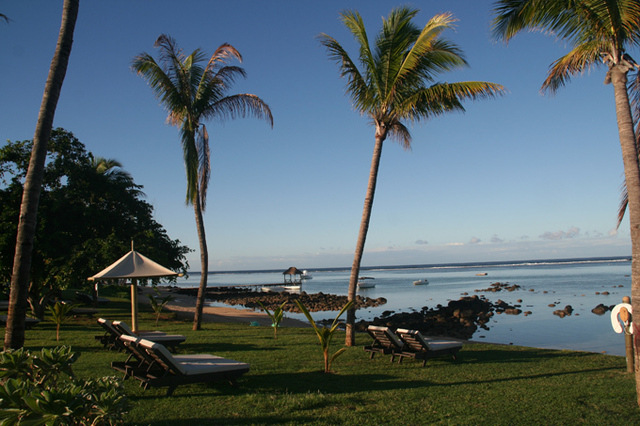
x: 489, y: 384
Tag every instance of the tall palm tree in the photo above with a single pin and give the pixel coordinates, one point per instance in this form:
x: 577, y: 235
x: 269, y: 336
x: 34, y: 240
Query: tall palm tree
x: 14, y: 332
x: 599, y: 33
x: 192, y: 93
x: 397, y: 83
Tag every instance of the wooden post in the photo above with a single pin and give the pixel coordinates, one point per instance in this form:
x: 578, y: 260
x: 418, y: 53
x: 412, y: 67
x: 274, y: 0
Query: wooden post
x: 625, y: 316
x: 134, y: 305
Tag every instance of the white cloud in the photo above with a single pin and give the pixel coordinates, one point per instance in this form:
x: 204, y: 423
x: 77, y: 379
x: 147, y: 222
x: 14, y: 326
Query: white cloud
x: 496, y: 239
x: 559, y: 235
x: 454, y: 244
x: 613, y: 232
x: 475, y: 240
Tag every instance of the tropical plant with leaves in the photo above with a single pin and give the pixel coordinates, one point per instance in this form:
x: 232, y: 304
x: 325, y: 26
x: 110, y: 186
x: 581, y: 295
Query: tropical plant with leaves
x: 193, y: 89
x: 40, y: 389
x: 276, y: 317
x: 325, y: 334
x: 397, y: 82
x: 59, y: 313
x: 158, y: 304
x: 598, y: 33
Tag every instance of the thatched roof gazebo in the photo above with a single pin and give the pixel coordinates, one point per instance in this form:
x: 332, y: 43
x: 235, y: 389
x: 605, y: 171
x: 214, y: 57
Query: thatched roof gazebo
x: 292, y: 275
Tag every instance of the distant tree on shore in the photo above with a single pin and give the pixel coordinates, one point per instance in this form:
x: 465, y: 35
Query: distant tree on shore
x: 192, y: 93
x: 14, y: 332
x: 599, y: 32
x: 90, y: 209
x: 397, y: 83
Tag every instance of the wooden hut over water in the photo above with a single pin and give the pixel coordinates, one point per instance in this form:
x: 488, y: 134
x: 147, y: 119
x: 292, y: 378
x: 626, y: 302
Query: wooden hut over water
x: 292, y: 275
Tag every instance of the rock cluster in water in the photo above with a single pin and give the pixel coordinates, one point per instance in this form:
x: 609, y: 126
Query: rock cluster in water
x: 459, y: 319
x: 249, y: 298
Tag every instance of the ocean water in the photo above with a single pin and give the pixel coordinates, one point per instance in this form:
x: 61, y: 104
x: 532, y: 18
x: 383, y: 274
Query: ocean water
x: 572, y: 282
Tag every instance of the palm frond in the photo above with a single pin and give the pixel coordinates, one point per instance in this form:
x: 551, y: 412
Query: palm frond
x: 578, y: 61
x: 239, y: 106
x: 357, y: 87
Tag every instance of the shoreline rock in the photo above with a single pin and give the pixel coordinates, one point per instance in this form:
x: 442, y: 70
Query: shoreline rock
x: 315, y: 302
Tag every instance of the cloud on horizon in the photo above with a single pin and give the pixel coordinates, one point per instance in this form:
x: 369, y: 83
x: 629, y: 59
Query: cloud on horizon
x: 475, y: 240
x: 422, y: 242
x: 560, y: 235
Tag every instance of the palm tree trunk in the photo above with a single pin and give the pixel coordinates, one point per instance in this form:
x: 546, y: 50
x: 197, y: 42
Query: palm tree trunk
x: 350, y: 339
x: 14, y: 333
x: 204, y: 261
x: 632, y: 178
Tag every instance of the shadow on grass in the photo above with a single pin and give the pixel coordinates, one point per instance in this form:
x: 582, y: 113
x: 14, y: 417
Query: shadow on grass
x: 292, y: 384
x: 490, y: 354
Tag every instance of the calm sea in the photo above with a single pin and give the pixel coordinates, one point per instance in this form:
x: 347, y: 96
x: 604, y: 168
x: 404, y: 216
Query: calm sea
x: 565, y: 282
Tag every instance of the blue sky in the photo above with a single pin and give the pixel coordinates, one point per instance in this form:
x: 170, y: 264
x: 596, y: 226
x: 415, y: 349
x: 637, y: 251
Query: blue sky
x: 524, y: 176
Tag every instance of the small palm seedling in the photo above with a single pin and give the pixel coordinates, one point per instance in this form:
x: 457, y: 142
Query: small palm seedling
x: 59, y: 313
x: 276, y: 317
x: 158, y: 305
x: 326, y: 334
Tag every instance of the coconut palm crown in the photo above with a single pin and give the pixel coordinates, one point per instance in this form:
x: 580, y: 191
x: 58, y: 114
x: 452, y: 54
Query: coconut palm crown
x: 192, y: 93
x: 394, y: 82
x: 193, y: 89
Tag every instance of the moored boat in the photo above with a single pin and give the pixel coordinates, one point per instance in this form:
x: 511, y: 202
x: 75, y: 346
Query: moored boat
x: 366, y: 282
x: 421, y: 282
x: 305, y: 275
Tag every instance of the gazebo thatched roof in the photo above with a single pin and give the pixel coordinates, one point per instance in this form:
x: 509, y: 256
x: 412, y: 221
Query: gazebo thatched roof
x: 292, y: 271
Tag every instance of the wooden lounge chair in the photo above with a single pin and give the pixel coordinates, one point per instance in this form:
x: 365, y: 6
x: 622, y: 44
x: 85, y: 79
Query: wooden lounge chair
x: 384, y: 342
x: 28, y: 321
x: 110, y: 337
x: 415, y: 345
x: 157, y: 367
x: 169, y: 340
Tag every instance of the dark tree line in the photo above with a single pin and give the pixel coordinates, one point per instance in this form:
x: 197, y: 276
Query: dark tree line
x: 90, y: 210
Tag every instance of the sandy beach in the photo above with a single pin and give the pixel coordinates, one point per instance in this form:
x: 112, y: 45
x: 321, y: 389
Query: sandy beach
x: 184, y: 306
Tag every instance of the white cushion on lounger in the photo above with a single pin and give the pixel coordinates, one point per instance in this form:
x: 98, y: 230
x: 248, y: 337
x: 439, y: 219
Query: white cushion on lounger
x: 431, y: 344
x: 130, y: 332
x: 196, y: 365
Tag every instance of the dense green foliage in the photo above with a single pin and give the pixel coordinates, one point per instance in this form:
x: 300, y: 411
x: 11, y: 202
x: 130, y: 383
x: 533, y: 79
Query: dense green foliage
x: 490, y: 384
x: 89, y: 212
x: 40, y: 389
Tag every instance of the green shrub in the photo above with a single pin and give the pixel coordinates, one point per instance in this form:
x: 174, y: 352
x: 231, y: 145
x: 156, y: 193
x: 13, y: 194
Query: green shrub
x: 40, y: 389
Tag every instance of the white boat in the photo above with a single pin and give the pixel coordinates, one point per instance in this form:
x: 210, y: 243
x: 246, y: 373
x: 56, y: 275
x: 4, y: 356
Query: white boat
x: 421, y: 282
x: 305, y: 275
x: 292, y: 288
x: 273, y: 289
x: 365, y: 282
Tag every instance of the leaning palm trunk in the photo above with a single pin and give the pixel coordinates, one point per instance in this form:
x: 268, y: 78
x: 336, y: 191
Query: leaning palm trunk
x: 632, y: 178
x: 204, y: 261
x: 14, y: 333
x: 350, y: 339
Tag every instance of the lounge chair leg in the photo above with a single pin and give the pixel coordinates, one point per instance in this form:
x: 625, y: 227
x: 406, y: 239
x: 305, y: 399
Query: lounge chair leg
x: 170, y: 390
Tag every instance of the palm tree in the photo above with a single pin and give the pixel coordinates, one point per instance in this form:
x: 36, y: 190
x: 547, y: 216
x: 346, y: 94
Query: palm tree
x: 397, y: 83
x: 14, y: 332
x: 192, y: 93
x: 599, y: 33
